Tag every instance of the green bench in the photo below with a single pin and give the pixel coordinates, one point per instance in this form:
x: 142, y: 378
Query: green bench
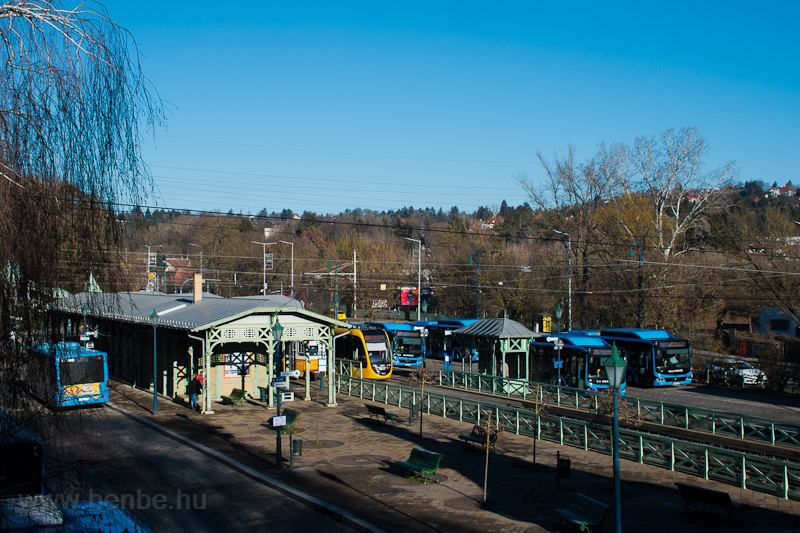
x: 377, y: 413
x: 291, y: 419
x: 692, y: 495
x: 236, y: 397
x: 481, y: 435
x: 422, y: 461
x: 584, y: 512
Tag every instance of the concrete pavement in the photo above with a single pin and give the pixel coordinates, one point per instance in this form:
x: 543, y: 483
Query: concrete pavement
x: 347, y: 462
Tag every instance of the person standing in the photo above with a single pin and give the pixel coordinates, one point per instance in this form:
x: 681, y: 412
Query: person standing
x: 194, y: 388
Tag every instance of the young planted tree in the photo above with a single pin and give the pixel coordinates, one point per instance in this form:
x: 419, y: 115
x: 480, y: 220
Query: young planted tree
x: 420, y: 377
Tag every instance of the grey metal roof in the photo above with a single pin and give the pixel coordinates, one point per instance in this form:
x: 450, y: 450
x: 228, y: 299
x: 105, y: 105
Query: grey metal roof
x: 177, y: 310
x: 499, y: 328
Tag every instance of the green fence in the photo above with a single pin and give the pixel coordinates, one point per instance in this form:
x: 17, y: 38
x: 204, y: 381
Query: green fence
x: 780, y: 478
x: 680, y: 416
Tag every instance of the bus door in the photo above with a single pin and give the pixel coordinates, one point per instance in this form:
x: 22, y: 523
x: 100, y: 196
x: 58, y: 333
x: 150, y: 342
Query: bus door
x: 572, y: 366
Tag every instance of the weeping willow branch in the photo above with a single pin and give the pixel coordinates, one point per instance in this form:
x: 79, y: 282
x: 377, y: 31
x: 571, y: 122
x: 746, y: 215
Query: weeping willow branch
x: 74, y: 105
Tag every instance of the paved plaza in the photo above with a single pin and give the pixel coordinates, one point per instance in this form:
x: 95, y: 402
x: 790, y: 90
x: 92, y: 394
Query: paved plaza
x: 347, y: 467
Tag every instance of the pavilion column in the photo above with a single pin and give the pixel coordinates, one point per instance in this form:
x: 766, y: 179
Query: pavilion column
x: 528, y: 360
x: 207, y: 375
x: 271, y: 373
x: 330, y: 375
x: 307, y: 397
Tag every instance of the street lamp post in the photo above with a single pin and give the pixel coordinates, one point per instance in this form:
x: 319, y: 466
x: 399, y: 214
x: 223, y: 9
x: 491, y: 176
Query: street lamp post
x: 84, y: 312
x: 277, y: 333
x: 419, y: 274
x: 558, y: 342
x: 569, y: 276
x: 201, y: 255
x: 615, y: 370
x: 154, y: 321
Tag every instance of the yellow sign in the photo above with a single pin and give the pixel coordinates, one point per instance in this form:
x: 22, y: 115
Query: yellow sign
x: 152, y: 275
x: 80, y: 390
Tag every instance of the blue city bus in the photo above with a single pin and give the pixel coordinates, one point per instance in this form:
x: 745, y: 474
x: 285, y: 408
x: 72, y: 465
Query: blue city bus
x: 655, y: 357
x: 67, y: 374
x: 441, y: 343
x: 406, y: 341
x: 582, y: 357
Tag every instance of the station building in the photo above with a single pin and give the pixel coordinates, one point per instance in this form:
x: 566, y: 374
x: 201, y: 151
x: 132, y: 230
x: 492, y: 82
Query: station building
x: 231, y: 342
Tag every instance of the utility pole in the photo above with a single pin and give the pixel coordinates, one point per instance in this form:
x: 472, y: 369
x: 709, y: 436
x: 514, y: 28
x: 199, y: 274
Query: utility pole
x: 355, y: 299
x: 264, y: 246
x: 150, y: 284
x: 478, y: 308
x: 419, y: 275
x: 292, y: 278
x: 336, y: 301
x: 640, y: 244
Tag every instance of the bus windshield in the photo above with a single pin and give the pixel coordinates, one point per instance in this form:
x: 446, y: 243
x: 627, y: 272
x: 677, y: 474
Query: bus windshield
x: 673, y: 359
x: 81, y: 370
x: 595, y: 368
x: 409, y: 345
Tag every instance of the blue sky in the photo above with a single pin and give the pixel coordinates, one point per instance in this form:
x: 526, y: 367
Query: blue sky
x: 325, y: 106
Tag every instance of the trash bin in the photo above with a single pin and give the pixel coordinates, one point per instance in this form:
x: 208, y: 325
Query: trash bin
x: 564, y: 468
x: 263, y: 392
x: 413, y: 411
x: 297, y: 447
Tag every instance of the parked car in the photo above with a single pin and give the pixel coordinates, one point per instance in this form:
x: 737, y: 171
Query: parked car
x: 734, y: 372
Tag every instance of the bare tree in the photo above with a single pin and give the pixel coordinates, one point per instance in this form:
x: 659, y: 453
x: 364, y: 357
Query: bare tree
x: 571, y: 199
x: 768, y: 248
x: 660, y: 193
x: 665, y: 172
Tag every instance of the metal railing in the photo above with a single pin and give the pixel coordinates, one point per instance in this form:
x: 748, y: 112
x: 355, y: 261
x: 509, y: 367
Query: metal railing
x: 772, y: 476
x: 751, y: 428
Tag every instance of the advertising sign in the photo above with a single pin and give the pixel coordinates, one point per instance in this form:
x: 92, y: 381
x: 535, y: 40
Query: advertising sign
x: 409, y: 296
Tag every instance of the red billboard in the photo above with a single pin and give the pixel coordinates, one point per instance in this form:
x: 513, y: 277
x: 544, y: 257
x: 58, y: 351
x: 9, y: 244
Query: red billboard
x: 409, y: 296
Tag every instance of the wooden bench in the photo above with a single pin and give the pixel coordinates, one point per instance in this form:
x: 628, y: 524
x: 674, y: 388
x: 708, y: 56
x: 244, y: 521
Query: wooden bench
x: 377, y: 413
x: 236, y: 397
x: 584, y: 512
x: 422, y: 461
x: 479, y: 436
x: 694, y: 495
